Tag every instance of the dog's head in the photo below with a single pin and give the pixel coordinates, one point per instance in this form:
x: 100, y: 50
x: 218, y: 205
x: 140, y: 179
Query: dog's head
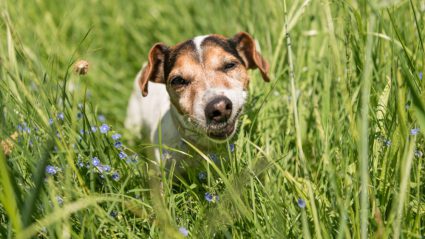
x: 206, y: 78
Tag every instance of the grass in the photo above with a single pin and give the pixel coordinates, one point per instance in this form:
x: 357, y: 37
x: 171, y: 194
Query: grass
x: 328, y: 149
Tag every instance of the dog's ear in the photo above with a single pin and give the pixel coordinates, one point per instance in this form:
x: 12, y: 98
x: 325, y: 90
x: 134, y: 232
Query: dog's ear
x: 245, y: 45
x: 154, y: 70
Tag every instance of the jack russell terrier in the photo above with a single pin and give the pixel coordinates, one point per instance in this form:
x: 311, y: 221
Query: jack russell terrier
x: 194, y: 91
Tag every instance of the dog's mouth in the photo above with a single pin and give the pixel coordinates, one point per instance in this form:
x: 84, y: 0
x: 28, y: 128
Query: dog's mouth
x: 221, y: 131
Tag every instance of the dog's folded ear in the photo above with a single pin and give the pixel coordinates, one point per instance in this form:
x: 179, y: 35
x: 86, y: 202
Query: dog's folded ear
x: 245, y: 45
x: 154, y: 70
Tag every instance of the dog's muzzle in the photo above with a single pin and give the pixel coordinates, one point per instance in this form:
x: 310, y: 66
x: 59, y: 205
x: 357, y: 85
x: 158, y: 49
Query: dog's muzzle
x: 218, y: 113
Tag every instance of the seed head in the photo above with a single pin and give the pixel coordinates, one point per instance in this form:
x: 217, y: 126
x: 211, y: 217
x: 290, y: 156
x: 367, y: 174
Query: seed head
x: 81, y: 67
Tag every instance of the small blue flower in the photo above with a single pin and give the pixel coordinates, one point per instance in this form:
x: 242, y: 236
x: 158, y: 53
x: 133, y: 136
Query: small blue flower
x: 414, y: 131
x: 60, y: 116
x: 113, y: 214
x: 301, y: 203
x: 80, y: 163
x: 214, y: 157
x: 232, y: 148
x: 420, y: 75
x: 115, y: 176
x: 202, y: 176
x: 101, y: 118
x: 93, y: 129
x: 79, y: 115
x: 27, y: 129
x: 51, y: 170
x: 122, y: 155
x: 184, y: 231
x: 116, y: 136
x: 20, y: 127
x: 418, y: 153
x: 387, y: 142
x: 118, y: 144
x: 106, y: 168
x: 104, y: 128
x: 95, y: 161
x: 50, y: 121
x: 209, y: 197
x: 59, y: 199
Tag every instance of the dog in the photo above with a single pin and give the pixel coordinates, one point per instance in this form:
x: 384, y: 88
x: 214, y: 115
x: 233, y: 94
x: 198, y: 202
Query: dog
x: 194, y: 91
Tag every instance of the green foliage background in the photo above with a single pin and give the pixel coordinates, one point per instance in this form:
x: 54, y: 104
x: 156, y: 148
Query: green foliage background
x: 345, y: 146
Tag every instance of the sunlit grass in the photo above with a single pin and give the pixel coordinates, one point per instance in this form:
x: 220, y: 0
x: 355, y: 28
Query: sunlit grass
x: 332, y: 147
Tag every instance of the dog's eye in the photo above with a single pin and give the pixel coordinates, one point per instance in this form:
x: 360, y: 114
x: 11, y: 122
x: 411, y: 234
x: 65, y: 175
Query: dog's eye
x: 179, y: 81
x: 229, y: 66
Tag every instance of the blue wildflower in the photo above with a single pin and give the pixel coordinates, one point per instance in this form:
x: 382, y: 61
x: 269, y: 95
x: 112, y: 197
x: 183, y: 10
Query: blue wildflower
x: 101, y: 118
x: 51, y: 170
x: 60, y: 116
x: 80, y: 164
x: 387, y: 142
x: 418, y: 153
x: 115, y: 176
x: 94, y: 129
x: 59, y: 199
x: 104, y: 128
x: 113, y: 214
x: 81, y: 131
x: 27, y: 129
x: 213, y: 157
x: 301, y: 203
x: 95, y: 161
x: 118, y: 144
x: 209, y: 197
x: 50, y: 121
x: 420, y: 75
x: 184, y: 231
x: 202, y: 176
x: 232, y: 147
x: 414, y: 131
x: 122, y: 155
x: 106, y: 168
x: 116, y: 136
x: 79, y: 115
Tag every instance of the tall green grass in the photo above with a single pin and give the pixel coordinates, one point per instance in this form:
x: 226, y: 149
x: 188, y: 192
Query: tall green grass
x: 331, y: 148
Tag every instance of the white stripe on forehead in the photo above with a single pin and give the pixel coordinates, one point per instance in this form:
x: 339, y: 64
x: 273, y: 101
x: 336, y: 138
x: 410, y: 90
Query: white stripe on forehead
x: 198, y: 41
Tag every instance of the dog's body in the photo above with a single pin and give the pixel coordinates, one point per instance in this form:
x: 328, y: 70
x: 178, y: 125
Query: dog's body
x: 197, y: 91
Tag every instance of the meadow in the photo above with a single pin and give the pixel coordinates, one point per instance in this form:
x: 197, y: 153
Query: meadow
x: 332, y: 147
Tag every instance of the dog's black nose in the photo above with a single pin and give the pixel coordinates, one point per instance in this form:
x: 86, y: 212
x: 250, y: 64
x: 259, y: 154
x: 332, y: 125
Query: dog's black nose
x: 218, y: 110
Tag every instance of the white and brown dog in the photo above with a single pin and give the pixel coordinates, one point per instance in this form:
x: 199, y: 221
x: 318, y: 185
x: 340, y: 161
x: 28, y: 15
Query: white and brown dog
x: 194, y: 90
